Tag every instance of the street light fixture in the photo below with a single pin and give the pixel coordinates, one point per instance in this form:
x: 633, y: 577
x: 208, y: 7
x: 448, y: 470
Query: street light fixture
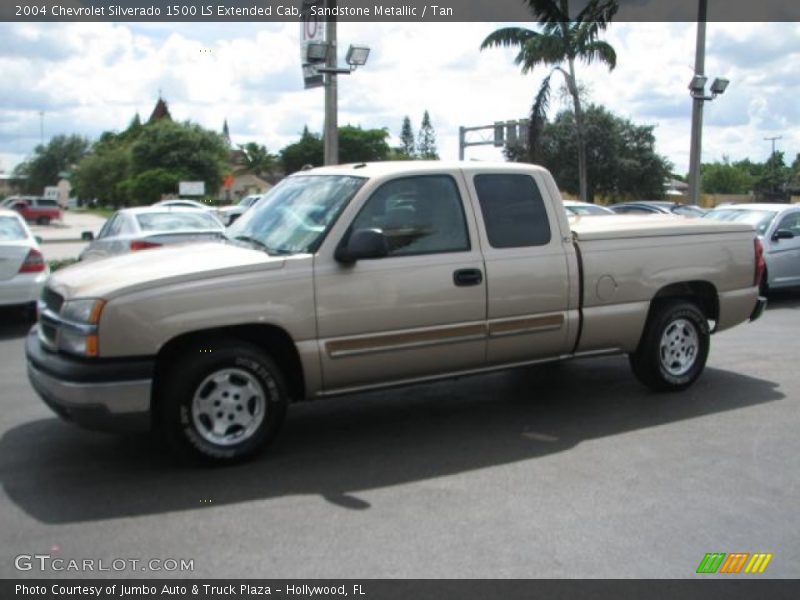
x: 719, y: 86
x: 356, y: 57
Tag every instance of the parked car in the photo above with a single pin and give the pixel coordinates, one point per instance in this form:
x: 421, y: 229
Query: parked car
x: 778, y: 226
x: 658, y: 207
x: 132, y: 229
x: 23, y: 270
x: 35, y: 209
x: 575, y: 208
x: 230, y: 213
x: 365, y: 276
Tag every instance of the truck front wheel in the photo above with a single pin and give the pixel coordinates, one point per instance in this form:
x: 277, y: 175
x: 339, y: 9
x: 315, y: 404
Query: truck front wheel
x: 674, y: 347
x: 223, y: 402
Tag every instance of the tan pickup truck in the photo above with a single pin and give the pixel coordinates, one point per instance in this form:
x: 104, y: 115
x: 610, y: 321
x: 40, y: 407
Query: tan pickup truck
x: 362, y: 276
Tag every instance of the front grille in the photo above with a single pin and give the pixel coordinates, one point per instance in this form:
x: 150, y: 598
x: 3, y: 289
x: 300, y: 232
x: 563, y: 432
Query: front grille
x: 52, y: 300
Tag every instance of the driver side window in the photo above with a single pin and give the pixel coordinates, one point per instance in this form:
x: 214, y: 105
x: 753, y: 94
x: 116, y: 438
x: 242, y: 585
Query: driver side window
x: 418, y: 215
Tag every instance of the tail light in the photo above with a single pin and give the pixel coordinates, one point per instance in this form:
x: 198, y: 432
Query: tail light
x: 33, y: 263
x: 761, y: 266
x: 142, y: 245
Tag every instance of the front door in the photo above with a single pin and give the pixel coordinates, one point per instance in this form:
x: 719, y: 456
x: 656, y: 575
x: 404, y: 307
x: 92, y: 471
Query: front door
x: 784, y: 254
x: 420, y: 310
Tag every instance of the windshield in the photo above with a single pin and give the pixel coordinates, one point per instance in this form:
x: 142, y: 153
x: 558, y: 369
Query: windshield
x: 176, y: 221
x: 295, y: 215
x: 760, y: 219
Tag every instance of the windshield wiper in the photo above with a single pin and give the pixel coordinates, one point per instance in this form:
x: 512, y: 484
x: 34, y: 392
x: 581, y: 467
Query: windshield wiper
x: 251, y: 240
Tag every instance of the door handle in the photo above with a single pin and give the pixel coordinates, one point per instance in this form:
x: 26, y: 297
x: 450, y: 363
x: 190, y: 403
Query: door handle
x: 464, y: 277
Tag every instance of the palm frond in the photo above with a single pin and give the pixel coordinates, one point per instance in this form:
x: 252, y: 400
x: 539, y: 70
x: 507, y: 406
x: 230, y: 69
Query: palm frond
x: 598, y: 11
x: 508, y: 37
x: 599, y: 51
x: 544, y: 49
x: 542, y: 102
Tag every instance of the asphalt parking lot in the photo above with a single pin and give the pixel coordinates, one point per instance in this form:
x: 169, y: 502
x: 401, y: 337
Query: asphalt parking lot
x: 572, y: 470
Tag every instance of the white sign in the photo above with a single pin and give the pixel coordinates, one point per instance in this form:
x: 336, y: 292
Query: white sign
x: 312, y: 29
x: 51, y: 192
x: 192, y: 188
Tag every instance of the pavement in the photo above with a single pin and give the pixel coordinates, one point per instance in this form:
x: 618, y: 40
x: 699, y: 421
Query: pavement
x: 570, y: 470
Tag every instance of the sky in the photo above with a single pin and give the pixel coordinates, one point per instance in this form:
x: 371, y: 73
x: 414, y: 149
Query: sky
x: 86, y: 78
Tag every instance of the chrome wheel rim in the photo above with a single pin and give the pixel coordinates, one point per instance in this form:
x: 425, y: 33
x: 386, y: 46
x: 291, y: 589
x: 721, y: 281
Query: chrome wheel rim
x: 680, y: 344
x: 228, y: 407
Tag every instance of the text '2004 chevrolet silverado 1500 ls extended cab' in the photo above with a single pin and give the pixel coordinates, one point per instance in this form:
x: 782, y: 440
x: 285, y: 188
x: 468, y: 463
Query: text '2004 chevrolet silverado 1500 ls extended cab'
x: 360, y: 276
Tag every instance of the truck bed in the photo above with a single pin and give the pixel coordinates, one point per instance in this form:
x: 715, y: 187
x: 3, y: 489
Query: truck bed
x: 635, y: 226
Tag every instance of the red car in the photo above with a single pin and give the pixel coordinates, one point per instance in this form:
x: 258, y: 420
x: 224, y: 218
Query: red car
x: 37, y: 210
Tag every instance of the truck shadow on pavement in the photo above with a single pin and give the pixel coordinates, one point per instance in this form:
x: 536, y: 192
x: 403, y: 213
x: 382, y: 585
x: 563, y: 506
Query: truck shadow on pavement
x: 59, y: 474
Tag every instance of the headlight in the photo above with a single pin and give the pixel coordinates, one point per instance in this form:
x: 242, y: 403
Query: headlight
x: 78, y: 332
x: 85, y: 312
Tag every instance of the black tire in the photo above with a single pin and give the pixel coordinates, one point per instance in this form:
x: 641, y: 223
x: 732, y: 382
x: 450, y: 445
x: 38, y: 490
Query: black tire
x: 187, y: 396
x: 674, y: 347
x: 43, y: 221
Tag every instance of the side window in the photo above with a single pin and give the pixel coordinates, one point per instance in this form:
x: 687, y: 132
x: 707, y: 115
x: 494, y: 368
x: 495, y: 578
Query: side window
x: 513, y: 210
x: 111, y: 227
x: 418, y: 215
x: 791, y: 223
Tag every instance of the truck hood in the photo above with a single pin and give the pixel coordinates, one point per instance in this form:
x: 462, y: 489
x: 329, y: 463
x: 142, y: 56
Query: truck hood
x: 111, y: 277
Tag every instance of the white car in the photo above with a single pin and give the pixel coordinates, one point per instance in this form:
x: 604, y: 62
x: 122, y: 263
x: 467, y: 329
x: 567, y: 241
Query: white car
x: 23, y: 270
x: 575, y: 208
x: 134, y: 229
x: 230, y: 213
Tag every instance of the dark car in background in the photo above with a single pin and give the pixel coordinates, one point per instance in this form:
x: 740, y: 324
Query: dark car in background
x: 658, y: 207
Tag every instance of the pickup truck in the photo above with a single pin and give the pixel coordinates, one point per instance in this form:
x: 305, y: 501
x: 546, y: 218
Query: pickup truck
x: 361, y: 276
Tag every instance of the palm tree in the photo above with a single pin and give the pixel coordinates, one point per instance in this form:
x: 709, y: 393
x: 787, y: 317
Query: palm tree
x: 560, y: 41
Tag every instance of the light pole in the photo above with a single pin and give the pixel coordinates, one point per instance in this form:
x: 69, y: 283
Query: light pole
x: 773, y: 139
x: 697, y: 89
x: 319, y: 53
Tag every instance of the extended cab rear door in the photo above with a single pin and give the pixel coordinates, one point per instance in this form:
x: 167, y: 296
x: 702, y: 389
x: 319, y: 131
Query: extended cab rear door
x: 421, y: 310
x: 531, y: 268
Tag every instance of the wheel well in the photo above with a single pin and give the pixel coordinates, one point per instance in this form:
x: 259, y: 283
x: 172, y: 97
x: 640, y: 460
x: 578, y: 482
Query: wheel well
x: 270, y: 338
x: 701, y: 293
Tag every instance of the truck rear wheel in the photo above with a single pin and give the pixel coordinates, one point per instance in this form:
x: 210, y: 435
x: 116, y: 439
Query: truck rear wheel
x: 223, y: 402
x: 674, y: 347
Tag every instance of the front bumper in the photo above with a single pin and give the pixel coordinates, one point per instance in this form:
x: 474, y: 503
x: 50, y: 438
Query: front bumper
x: 106, y: 395
x: 761, y: 304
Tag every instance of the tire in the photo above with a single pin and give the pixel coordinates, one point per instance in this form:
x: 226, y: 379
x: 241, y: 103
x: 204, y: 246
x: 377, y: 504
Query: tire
x: 43, y: 221
x: 674, y: 347
x: 203, y: 409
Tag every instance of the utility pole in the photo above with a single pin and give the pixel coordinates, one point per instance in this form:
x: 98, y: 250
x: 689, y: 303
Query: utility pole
x: 773, y: 139
x: 331, y: 135
x: 697, y: 106
x: 41, y: 127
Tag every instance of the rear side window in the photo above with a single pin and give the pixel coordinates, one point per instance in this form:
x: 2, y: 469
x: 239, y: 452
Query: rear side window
x: 513, y: 210
x: 176, y: 221
x: 47, y: 203
x: 11, y: 229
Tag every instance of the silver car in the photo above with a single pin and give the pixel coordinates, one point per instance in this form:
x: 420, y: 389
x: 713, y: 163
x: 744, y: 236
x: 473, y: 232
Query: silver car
x: 229, y: 214
x: 23, y: 270
x: 132, y: 229
x: 575, y: 208
x: 778, y: 227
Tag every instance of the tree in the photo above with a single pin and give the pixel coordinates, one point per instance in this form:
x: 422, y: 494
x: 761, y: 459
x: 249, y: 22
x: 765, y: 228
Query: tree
x: 355, y: 145
x: 407, y: 146
x: 362, y: 145
x: 623, y: 163
x: 775, y: 177
x: 257, y: 159
x: 426, y: 139
x: 100, y: 174
x: 308, y: 150
x: 43, y: 169
x: 184, y: 149
x: 149, y: 186
x: 562, y: 40
x: 725, y: 178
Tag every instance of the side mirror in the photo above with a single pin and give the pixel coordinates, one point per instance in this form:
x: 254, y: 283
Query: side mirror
x: 87, y: 236
x: 782, y: 234
x: 363, y: 244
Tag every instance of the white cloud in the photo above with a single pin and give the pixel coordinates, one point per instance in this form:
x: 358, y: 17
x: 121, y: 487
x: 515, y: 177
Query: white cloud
x: 98, y: 75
